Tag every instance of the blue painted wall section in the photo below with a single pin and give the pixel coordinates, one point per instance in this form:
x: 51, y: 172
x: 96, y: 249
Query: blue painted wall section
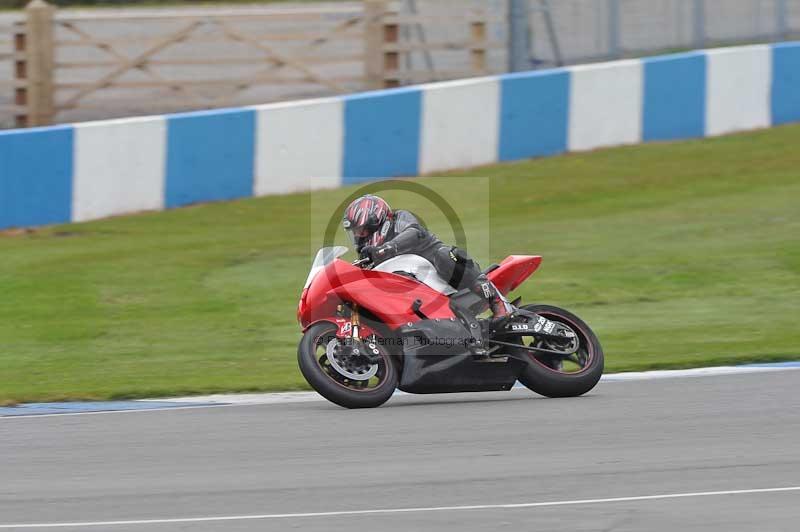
x: 210, y: 156
x: 786, y: 83
x: 381, y: 135
x: 534, y: 114
x: 674, y: 97
x: 36, y: 176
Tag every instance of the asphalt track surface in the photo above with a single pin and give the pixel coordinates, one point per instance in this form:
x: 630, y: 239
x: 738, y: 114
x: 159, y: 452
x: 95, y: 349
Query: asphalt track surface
x: 630, y: 456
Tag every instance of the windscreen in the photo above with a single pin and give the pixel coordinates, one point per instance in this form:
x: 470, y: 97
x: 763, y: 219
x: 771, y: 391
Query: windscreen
x: 324, y: 257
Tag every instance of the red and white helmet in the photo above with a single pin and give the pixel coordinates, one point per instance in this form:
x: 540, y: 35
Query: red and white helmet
x: 367, y: 221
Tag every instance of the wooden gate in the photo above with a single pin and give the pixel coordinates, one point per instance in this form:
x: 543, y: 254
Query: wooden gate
x: 78, y: 65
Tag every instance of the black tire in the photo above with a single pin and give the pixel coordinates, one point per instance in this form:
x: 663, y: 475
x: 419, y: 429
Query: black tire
x: 549, y: 382
x: 331, y: 390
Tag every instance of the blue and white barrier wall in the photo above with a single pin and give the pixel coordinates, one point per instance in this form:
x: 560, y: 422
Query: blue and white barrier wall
x: 93, y: 170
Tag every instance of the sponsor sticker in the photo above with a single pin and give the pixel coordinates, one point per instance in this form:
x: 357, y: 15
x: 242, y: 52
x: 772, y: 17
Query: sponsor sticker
x: 486, y: 290
x: 345, y: 329
x: 544, y: 324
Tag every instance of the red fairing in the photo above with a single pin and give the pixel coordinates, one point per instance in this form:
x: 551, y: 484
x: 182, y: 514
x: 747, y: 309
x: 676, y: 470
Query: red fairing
x: 386, y: 295
x: 513, y: 271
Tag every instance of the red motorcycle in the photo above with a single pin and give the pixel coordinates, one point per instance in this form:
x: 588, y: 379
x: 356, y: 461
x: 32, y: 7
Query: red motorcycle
x: 370, y: 330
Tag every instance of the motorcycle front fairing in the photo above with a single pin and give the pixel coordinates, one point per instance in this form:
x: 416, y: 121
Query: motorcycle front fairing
x: 388, y: 296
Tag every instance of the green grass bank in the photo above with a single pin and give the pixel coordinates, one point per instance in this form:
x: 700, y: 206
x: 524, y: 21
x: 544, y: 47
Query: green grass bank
x: 678, y: 255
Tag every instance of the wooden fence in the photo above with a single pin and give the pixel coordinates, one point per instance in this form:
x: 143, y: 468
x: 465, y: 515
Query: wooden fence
x: 8, y: 83
x: 70, y: 66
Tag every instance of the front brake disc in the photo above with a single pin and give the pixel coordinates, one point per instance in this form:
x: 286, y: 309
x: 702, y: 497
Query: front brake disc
x: 354, y: 364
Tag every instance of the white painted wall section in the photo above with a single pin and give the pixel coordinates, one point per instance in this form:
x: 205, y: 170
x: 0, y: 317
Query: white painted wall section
x: 460, y: 124
x: 738, y: 89
x: 605, y: 105
x: 297, y: 145
x: 119, y: 167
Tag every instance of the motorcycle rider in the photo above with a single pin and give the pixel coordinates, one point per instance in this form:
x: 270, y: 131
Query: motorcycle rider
x: 379, y: 233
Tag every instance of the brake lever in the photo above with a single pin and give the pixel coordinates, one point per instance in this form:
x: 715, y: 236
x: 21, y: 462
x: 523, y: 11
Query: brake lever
x: 361, y: 262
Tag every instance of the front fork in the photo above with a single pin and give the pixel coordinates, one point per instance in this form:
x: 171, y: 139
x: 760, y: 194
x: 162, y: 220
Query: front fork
x: 350, y: 330
x: 348, y: 321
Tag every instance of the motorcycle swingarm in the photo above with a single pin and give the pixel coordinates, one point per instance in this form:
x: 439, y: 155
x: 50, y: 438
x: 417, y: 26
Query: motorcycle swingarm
x: 532, y: 324
x: 535, y: 325
x: 539, y: 350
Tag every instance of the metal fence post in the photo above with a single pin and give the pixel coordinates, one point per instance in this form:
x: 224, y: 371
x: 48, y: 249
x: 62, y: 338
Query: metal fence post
x: 699, y: 23
x: 782, y: 18
x: 613, y: 29
x: 519, y: 36
x: 34, y: 65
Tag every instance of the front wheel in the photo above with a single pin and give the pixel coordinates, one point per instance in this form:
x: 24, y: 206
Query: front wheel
x: 352, y: 374
x: 555, y: 376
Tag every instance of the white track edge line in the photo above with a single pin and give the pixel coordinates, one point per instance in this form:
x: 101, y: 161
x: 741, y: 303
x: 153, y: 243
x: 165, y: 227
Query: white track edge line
x: 296, y: 397
x: 402, y: 510
x: 230, y: 400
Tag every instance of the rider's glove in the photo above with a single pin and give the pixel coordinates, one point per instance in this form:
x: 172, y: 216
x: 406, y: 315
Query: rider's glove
x: 378, y: 254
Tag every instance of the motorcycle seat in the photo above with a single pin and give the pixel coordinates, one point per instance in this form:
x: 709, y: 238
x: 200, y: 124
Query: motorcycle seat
x: 491, y: 268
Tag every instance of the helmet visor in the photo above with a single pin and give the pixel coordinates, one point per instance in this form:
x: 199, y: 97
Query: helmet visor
x: 358, y: 236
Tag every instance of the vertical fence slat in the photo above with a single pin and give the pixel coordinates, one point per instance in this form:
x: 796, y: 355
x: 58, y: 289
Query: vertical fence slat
x: 20, y: 75
x: 478, y: 52
x: 374, y: 13
x: 33, y: 68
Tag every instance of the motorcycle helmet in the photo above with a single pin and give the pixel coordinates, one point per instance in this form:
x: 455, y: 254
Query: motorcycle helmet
x: 367, y: 221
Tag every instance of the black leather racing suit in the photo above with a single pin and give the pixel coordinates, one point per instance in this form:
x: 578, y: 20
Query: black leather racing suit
x: 406, y: 235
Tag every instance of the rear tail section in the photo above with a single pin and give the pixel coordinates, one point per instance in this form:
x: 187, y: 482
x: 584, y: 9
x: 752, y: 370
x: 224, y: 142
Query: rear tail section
x: 513, y: 271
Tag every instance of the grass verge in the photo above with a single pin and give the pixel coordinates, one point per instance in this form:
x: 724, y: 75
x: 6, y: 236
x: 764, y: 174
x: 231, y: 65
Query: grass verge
x: 679, y: 255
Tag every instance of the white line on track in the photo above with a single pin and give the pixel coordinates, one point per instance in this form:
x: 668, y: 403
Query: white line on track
x: 386, y: 511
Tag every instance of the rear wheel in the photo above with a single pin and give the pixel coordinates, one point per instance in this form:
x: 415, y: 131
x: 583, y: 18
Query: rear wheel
x: 350, y: 373
x: 562, y: 376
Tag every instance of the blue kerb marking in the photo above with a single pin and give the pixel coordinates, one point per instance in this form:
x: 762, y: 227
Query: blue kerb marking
x: 381, y: 135
x: 674, y: 97
x: 785, y: 83
x: 33, y: 409
x: 36, y: 176
x: 534, y: 114
x: 210, y: 156
x: 38, y: 409
x: 774, y: 365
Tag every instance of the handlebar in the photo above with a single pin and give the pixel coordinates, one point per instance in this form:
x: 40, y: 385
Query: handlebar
x: 361, y: 262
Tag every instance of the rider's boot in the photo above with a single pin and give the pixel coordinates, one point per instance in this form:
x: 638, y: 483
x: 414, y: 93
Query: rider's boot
x: 488, y: 291
x: 500, y: 311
